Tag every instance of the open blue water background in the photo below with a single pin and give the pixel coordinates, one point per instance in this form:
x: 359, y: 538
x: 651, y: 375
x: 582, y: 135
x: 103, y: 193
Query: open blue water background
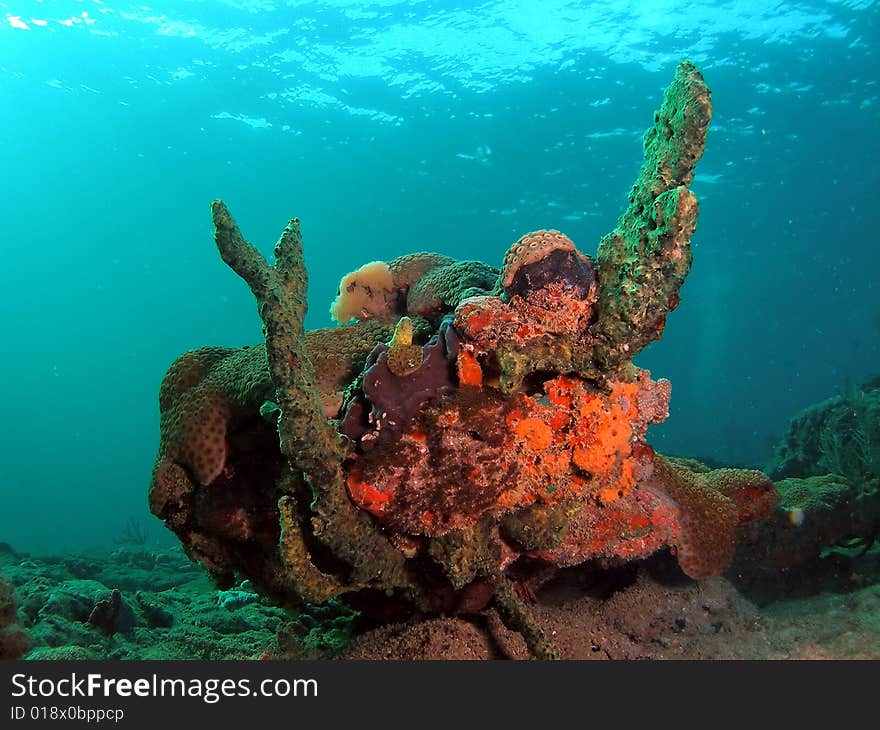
x: 390, y: 127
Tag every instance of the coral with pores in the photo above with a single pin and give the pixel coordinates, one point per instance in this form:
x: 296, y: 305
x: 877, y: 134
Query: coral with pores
x: 421, y: 284
x: 440, y: 289
x: 529, y: 249
x: 408, y: 269
x: 202, y: 394
x: 208, y: 392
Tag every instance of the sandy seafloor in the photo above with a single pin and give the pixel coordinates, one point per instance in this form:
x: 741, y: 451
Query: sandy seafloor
x: 643, y: 610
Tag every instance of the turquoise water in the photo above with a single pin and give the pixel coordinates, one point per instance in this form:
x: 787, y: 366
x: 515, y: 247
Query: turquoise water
x: 390, y: 127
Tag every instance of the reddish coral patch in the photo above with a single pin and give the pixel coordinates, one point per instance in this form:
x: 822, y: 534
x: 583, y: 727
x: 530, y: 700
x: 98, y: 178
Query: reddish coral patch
x: 366, y: 496
x: 536, y: 433
x: 469, y: 370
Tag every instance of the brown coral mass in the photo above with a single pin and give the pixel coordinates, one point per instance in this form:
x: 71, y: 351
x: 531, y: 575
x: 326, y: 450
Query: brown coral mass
x: 706, y: 519
x: 207, y: 390
x: 196, y: 400
x: 407, y: 270
x: 524, y: 437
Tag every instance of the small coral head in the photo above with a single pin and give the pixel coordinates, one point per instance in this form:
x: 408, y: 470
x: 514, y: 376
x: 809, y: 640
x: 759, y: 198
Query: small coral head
x: 403, y: 332
x: 530, y: 248
x: 364, y: 294
x: 404, y: 358
x: 544, y: 258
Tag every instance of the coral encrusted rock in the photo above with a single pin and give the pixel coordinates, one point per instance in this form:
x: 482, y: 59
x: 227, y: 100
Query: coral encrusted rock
x: 467, y: 423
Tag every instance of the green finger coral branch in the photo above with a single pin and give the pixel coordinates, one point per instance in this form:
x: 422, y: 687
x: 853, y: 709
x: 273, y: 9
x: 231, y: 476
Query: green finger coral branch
x: 307, y: 439
x: 644, y: 261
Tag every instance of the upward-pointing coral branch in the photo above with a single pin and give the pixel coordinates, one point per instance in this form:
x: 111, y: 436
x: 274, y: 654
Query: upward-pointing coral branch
x: 644, y: 261
x: 308, y: 442
x: 237, y: 253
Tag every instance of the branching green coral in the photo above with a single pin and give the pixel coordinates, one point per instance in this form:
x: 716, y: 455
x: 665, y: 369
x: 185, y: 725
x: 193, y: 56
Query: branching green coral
x: 644, y: 261
x: 308, y: 441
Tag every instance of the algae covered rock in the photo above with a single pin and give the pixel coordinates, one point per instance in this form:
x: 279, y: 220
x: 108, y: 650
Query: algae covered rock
x: 828, y: 471
x: 500, y: 420
x: 644, y: 261
x: 838, y: 436
x: 813, y: 515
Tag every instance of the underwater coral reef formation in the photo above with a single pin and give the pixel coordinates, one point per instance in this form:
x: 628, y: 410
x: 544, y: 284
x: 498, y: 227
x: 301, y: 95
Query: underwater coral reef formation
x: 828, y: 467
x: 464, y: 422
x: 804, y: 583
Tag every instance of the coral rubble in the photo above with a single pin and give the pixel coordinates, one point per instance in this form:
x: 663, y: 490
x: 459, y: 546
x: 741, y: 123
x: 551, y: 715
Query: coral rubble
x: 641, y: 609
x: 470, y: 419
